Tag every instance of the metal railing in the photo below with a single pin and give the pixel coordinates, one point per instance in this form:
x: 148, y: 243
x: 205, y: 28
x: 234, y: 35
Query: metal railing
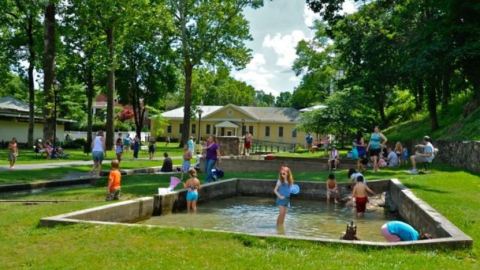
x: 259, y: 146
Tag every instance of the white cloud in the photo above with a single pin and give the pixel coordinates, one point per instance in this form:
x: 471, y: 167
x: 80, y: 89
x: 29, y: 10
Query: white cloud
x: 309, y: 16
x: 294, y: 79
x: 256, y: 74
x: 348, y: 7
x: 284, y: 46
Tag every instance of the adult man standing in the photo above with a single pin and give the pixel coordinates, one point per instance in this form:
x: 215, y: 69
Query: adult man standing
x: 425, y: 153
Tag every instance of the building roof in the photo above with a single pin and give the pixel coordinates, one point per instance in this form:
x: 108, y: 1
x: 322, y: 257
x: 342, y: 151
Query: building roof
x: 262, y: 114
x: 13, y: 104
x: 11, y: 107
x: 178, y: 112
x: 226, y: 124
x: 313, y: 108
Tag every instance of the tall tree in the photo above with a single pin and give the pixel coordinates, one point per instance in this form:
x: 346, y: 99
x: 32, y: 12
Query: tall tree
x: 209, y: 32
x: 145, y: 67
x: 20, y: 34
x: 284, y: 100
x: 219, y: 88
x: 85, y: 59
x: 49, y: 72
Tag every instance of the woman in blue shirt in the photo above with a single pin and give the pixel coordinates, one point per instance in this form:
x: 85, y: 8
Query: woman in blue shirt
x: 374, y: 148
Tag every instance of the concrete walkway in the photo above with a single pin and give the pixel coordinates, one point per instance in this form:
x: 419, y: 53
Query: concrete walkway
x: 53, y: 165
x: 46, y: 165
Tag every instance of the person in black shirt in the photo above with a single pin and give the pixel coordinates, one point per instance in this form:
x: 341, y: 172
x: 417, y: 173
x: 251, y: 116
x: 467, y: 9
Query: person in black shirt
x: 167, y: 165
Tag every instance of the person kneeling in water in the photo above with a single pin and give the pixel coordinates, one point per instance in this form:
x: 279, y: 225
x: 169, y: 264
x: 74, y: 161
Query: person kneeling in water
x: 395, y: 231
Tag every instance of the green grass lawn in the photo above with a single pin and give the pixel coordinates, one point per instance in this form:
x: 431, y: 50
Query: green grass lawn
x: 25, y: 245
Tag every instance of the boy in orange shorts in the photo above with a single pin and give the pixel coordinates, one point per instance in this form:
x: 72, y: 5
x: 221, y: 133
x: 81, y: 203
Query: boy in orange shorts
x: 114, y: 181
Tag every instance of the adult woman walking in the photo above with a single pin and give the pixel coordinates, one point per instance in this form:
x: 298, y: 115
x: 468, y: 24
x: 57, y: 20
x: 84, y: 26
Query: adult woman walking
x: 213, y: 154
x: 12, y: 152
x: 98, y: 151
x: 374, y: 148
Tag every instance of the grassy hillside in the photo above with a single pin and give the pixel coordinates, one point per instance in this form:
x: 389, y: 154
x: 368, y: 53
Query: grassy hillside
x: 453, y: 125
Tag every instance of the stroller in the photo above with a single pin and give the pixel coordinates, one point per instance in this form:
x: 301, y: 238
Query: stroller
x: 217, y: 174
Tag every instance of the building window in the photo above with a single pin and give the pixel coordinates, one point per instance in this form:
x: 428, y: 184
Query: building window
x: 215, y: 130
x: 180, y: 128
x: 169, y: 129
x: 244, y: 129
x: 194, y: 128
x: 222, y: 131
x: 267, y: 131
x: 280, y: 131
x: 294, y: 133
x: 208, y: 129
x: 250, y: 129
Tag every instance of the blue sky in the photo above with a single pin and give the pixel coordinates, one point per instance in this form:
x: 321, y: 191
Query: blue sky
x: 276, y: 29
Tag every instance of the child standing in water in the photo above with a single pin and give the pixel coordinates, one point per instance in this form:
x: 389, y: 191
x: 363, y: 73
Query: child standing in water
x: 360, y: 195
x: 193, y: 185
x: 282, y: 190
x: 332, y: 188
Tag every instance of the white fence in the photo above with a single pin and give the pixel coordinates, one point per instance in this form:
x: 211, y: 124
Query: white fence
x: 83, y: 134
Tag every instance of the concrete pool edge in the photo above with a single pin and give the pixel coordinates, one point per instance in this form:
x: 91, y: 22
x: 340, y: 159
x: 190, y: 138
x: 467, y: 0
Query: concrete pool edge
x: 448, y: 234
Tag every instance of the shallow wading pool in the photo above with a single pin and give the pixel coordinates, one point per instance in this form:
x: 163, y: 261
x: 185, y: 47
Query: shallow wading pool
x: 246, y: 206
x: 257, y: 215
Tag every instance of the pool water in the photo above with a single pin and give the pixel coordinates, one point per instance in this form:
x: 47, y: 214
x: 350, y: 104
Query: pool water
x: 258, y: 215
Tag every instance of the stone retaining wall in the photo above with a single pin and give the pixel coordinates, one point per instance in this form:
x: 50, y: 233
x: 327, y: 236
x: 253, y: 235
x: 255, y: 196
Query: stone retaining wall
x: 127, y: 211
x: 463, y: 154
x: 235, y: 164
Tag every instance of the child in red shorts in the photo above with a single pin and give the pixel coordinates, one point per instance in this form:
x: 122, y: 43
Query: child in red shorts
x: 360, y: 195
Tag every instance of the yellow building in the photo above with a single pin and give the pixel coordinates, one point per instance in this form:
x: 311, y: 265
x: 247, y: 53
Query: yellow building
x: 266, y: 124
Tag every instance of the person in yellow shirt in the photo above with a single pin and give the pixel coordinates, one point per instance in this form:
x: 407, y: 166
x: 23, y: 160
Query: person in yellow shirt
x: 114, y: 182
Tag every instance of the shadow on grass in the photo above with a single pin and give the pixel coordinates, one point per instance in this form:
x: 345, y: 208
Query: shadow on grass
x: 424, y: 188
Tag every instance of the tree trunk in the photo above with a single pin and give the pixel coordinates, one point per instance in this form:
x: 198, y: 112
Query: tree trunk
x: 110, y: 89
x: 432, y: 104
x: 137, y: 110
x: 49, y: 127
x: 419, y: 96
x: 90, y: 92
x: 31, y: 85
x: 446, y: 88
x: 380, y: 102
x: 188, y: 68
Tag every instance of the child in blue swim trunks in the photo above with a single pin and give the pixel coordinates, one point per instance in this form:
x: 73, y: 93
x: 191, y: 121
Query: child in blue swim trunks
x: 192, y: 185
x: 282, y: 190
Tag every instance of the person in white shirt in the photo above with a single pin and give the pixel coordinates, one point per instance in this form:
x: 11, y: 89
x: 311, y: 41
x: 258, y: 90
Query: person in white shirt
x: 333, y: 159
x: 424, y: 153
x: 98, y: 153
x: 392, y: 158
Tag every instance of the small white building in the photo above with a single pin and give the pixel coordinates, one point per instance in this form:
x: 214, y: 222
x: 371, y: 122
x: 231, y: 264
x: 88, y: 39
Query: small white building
x: 14, y: 116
